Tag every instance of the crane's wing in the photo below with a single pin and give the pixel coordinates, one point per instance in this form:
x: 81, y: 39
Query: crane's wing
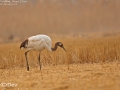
x: 34, y: 42
x: 38, y: 42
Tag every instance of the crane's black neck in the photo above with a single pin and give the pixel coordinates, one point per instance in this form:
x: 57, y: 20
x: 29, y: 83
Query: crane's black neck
x: 55, y: 47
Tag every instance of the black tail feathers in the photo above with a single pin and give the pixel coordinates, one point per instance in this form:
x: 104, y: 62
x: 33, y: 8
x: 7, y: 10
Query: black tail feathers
x: 24, y: 43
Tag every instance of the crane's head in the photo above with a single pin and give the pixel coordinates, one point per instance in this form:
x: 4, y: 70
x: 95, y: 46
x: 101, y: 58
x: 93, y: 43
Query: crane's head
x: 60, y: 45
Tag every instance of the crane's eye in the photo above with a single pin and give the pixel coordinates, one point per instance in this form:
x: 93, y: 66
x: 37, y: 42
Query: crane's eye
x: 60, y: 44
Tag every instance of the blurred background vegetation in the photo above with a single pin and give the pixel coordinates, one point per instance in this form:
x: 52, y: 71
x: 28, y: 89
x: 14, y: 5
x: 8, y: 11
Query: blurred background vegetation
x: 66, y: 17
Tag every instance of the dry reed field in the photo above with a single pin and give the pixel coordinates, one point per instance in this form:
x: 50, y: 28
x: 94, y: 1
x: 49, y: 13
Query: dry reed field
x: 88, y: 64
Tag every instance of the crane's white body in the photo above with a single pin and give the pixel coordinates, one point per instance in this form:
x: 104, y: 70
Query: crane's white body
x: 39, y: 42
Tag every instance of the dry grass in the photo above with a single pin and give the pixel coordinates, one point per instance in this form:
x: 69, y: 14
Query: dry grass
x: 79, y: 50
x: 90, y: 63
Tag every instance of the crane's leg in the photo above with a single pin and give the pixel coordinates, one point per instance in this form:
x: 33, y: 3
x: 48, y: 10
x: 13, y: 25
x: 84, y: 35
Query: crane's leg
x: 39, y: 61
x: 27, y: 61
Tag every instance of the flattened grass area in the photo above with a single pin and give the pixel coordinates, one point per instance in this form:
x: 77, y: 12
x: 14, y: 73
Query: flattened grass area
x: 97, y: 76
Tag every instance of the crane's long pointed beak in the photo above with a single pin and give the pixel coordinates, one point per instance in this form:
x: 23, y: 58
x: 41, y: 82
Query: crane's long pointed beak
x: 64, y: 49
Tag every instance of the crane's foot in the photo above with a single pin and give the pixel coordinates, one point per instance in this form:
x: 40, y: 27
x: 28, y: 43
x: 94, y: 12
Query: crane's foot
x: 40, y: 67
x: 27, y: 68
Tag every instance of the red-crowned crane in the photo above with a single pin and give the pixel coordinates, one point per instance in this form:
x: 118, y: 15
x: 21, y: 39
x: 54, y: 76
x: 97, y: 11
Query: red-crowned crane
x: 39, y: 43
